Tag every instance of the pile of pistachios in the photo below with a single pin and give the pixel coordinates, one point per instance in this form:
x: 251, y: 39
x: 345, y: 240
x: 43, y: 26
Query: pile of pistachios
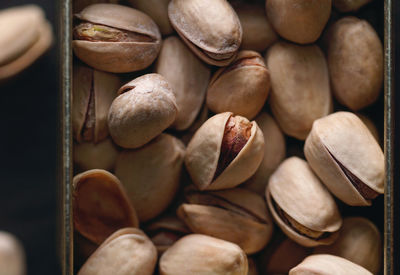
x: 181, y: 114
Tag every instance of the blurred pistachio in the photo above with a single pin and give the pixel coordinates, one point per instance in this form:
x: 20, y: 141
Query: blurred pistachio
x: 12, y: 255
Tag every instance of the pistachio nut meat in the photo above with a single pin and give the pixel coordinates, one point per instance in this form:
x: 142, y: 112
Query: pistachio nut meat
x: 116, y: 38
x: 236, y: 215
x: 12, y: 255
x: 301, y: 205
x: 210, y: 28
x: 224, y: 152
x: 346, y: 157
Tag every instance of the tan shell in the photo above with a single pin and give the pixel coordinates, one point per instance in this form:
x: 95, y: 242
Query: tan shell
x: 349, y: 5
x: 299, y: 193
x: 100, y: 205
x: 241, y: 88
x: 204, y: 149
x: 210, y: 28
x: 12, y: 255
x: 359, y: 242
x: 300, y: 86
x: 118, y: 57
x: 145, y: 107
x: 200, y: 254
x: 235, y: 215
x: 324, y: 264
x: 79, y: 5
x: 92, y: 94
x: 300, y: 21
x: 126, y: 252
x: 355, y: 60
x: 151, y: 174
x: 274, y: 153
x: 344, y: 136
x: 188, y: 77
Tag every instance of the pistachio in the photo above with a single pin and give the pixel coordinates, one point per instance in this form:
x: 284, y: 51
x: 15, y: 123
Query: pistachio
x: 301, y: 205
x: 241, y: 88
x: 235, y: 215
x: 79, y: 5
x: 200, y: 254
x: 12, y: 255
x: 126, y: 252
x: 210, y: 28
x: 200, y: 119
x: 100, y: 205
x: 224, y: 152
x: 93, y: 93
x: 346, y: 157
x: 188, y: 77
x: 116, y: 38
x: 349, y: 5
x: 300, y: 90
x: 144, y: 108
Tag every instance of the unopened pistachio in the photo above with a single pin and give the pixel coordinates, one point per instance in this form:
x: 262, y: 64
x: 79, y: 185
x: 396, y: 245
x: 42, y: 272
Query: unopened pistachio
x: 224, y: 152
x: 349, y: 5
x: 12, y: 255
x: 346, y: 157
x: 116, y: 38
x: 241, y: 88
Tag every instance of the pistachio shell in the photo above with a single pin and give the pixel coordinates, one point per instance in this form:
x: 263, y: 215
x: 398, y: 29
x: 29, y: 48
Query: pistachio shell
x: 299, y: 193
x: 100, y: 205
x: 349, y: 5
x: 210, y: 28
x: 342, y: 152
x: 126, y: 252
x: 203, y: 255
x: 241, y: 88
x: 12, y: 255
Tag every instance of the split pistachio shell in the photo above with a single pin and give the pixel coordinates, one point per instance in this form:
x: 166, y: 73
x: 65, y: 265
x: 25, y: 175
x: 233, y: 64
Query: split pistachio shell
x: 79, y: 5
x: 188, y: 77
x: 151, y: 174
x: 235, y: 215
x: 144, y: 108
x: 12, y: 255
x: 116, y: 38
x: 210, y: 28
x: 100, y: 205
x: 355, y: 60
x: 301, y: 205
x: 323, y: 264
x: 224, y: 152
x: 299, y: 21
x: 25, y: 36
x: 349, y: 5
x: 359, y: 242
x: 300, y: 90
x: 241, y: 88
x: 126, y: 252
x: 203, y: 255
x: 346, y: 157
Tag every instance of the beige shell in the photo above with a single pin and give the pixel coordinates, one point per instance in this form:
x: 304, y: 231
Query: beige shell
x: 145, y: 107
x: 188, y: 77
x: 349, y: 5
x: 118, y: 57
x: 126, y: 252
x: 299, y: 193
x: 355, y: 60
x: 151, y: 174
x: 241, y: 88
x: 12, y: 255
x: 92, y: 94
x: 300, y: 21
x: 339, y: 146
x: 323, y: 264
x: 79, y: 5
x: 210, y: 28
x: 359, y: 242
x: 100, y: 205
x: 200, y: 254
x: 204, y: 150
x: 300, y: 91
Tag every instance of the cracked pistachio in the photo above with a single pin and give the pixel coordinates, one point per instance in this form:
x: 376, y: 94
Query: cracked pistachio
x: 201, y: 254
x: 241, y: 88
x: 126, y: 252
x: 224, y: 152
x: 12, y: 255
x: 236, y: 215
x: 301, y: 205
x: 100, y: 205
x: 346, y: 157
x: 349, y: 5
x: 210, y: 28
x: 116, y: 38
x: 144, y: 108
